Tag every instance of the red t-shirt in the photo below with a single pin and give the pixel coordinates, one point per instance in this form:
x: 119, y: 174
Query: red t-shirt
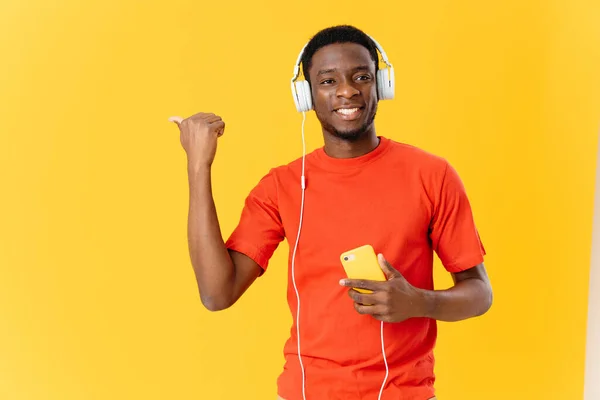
x: 407, y: 204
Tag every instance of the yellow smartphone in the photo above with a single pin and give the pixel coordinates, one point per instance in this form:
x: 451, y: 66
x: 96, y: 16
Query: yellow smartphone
x: 361, y: 263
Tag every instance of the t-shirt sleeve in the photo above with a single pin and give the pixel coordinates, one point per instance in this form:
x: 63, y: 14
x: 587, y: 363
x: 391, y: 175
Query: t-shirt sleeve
x: 260, y: 229
x: 453, y: 233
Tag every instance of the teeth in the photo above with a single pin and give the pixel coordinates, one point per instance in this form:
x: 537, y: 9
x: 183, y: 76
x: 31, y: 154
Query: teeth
x: 347, y: 111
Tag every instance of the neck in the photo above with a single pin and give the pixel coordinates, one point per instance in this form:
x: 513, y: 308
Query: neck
x: 337, y: 147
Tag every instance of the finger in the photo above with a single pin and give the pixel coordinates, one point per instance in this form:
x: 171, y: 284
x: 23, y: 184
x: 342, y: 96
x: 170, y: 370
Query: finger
x: 205, y: 116
x: 219, y: 127
x: 362, y: 298
x: 177, y: 120
x: 362, y: 284
x: 382, y: 317
x: 369, y: 310
x: 213, y: 118
x: 389, y: 271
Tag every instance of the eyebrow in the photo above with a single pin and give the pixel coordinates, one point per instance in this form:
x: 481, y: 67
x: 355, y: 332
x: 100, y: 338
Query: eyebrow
x: 330, y: 70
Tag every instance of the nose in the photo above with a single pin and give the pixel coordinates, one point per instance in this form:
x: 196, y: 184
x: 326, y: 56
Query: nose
x: 346, y: 89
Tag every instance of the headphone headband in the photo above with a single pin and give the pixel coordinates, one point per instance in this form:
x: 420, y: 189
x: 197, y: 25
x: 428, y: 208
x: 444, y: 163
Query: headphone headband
x: 377, y: 45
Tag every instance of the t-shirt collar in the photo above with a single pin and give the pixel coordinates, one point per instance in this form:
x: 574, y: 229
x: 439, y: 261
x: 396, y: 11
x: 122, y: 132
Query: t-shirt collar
x: 343, y: 164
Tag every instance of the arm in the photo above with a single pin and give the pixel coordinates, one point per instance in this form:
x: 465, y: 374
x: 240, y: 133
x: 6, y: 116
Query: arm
x: 456, y: 240
x: 222, y: 276
x: 471, y: 296
x: 396, y: 300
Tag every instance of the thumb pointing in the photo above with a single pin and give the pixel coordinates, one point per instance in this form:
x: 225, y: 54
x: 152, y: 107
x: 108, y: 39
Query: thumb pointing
x: 177, y: 120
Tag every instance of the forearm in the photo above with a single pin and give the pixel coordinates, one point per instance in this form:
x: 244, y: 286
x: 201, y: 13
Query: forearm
x: 466, y: 299
x: 213, y: 267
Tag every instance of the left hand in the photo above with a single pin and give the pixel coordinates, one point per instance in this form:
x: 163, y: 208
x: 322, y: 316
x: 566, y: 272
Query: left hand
x: 394, y: 300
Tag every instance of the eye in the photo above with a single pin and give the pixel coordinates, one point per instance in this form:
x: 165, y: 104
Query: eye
x: 327, y: 81
x: 363, y: 77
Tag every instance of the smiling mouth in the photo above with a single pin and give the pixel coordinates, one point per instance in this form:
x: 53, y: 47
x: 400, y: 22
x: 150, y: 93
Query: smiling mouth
x: 348, y: 114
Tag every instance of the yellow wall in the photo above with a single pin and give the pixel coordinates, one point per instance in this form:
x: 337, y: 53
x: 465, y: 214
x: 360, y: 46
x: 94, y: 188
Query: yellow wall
x: 97, y: 296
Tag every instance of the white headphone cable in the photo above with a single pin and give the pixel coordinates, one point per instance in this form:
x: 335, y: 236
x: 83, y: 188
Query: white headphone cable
x: 303, y: 185
x: 387, y: 371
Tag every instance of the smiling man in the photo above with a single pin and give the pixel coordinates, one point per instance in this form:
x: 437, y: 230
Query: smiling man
x: 361, y: 188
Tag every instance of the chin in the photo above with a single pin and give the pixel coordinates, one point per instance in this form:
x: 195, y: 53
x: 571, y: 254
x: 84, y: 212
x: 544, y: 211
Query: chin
x: 351, y: 135
x: 355, y: 133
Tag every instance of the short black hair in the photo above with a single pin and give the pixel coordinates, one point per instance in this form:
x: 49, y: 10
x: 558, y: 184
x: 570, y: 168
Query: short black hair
x: 337, y: 34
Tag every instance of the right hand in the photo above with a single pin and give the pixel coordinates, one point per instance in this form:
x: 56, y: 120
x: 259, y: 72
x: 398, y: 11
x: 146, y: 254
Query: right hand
x: 198, y: 135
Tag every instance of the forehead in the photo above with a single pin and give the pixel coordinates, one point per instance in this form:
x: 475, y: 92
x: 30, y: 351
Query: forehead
x: 341, y: 56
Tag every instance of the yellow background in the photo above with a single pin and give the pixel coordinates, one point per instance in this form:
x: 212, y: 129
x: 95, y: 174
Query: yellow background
x: 97, y: 295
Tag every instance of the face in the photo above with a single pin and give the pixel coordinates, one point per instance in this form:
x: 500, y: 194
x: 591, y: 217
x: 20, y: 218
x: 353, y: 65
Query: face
x: 344, y: 90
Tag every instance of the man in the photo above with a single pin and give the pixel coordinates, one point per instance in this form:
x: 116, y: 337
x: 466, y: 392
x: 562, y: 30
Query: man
x: 361, y: 188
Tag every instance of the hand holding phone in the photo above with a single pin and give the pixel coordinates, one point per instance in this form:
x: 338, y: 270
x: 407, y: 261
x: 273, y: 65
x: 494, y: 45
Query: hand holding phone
x: 379, y: 289
x: 362, y: 263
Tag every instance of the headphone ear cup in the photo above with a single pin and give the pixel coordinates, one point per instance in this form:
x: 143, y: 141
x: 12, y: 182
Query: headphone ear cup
x: 385, y: 83
x: 301, y: 94
x: 304, y: 95
x: 391, y: 89
x: 296, y: 96
x: 380, y: 84
x: 301, y: 101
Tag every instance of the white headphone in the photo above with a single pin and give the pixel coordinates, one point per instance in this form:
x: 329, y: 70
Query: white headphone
x: 302, y: 93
